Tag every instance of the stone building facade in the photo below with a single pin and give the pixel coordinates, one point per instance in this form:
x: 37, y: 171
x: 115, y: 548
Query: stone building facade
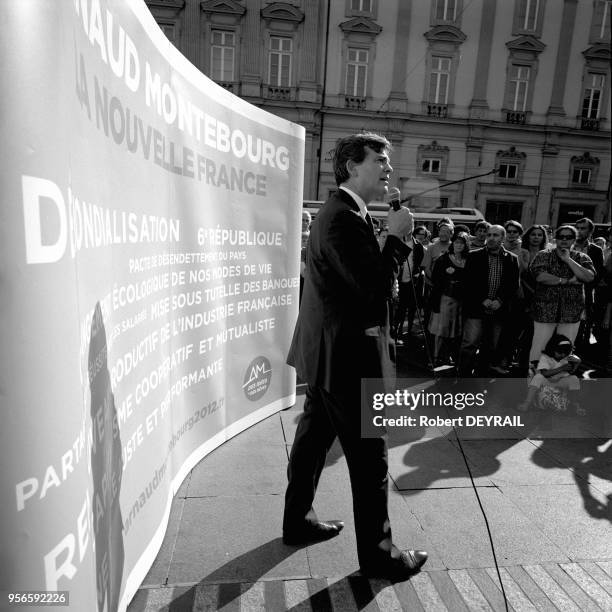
x: 461, y: 88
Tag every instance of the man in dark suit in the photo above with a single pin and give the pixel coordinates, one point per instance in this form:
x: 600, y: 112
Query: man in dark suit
x: 492, y: 281
x: 341, y: 336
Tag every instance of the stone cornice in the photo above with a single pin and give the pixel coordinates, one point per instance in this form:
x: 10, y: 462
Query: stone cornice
x: 526, y: 44
x: 445, y: 33
x: 434, y: 147
x: 227, y: 7
x: 361, y: 25
x: 511, y: 153
x: 281, y: 11
x: 599, y: 51
x: 585, y: 160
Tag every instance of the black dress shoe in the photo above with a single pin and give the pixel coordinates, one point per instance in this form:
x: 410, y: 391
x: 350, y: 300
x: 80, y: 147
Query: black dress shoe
x: 407, y: 564
x: 311, y: 533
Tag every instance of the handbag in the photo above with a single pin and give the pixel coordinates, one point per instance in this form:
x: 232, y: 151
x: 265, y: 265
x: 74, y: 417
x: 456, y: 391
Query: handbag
x: 552, y: 399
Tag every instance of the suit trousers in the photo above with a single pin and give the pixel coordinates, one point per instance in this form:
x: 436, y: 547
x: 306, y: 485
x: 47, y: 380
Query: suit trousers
x: 326, y: 416
x: 479, y: 335
x: 410, y: 298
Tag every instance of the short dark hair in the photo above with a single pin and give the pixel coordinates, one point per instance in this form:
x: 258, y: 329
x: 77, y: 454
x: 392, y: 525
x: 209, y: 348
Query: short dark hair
x: 513, y: 223
x: 353, y: 148
x: 480, y: 224
x: 588, y: 222
x: 571, y: 228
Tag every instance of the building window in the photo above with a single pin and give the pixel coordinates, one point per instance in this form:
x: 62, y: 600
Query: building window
x: 430, y: 166
x: 361, y: 6
x: 439, y: 80
x: 446, y: 10
x: 356, y: 72
x: 432, y: 160
x: 279, y: 68
x: 510, y: 166
x: 583, y: 170
x: 530, y: 17
x: 508, y: 171
x: 593, y: 93
x: 518, y: 92
x: 604, y: 28
x: 443, y: 56
x: 600, y: 27
x: 581, y: 176
x: 222, y: 55
x: 519, y: 86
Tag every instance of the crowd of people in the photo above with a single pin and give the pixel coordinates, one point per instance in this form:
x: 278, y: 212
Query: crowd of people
x: 491, y: 300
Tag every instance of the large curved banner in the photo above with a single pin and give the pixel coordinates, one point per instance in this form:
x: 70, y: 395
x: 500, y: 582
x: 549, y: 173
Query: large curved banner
x: 149, y: 273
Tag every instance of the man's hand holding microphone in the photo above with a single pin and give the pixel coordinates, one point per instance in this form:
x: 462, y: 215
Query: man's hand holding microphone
x: 399, y: 218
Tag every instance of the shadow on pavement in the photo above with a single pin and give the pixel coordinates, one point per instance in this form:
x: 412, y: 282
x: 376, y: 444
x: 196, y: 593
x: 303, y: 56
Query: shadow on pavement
x: 588, y: 459
x: 253, y: 564
x: 363, y: 590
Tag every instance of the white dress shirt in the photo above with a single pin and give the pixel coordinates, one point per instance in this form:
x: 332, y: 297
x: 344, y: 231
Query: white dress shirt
x: 362, y: 205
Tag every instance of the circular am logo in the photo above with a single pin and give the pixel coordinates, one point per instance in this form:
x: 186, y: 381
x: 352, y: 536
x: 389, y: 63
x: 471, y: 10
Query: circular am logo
x: 257, y: 378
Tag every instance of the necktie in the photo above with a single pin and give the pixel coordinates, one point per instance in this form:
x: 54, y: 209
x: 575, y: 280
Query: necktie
x: 369, y: 221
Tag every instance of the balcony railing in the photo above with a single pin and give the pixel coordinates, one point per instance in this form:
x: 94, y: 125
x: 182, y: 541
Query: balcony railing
x: 277, y: 93
x: 589, y: 124
x: 437, y: 110
x: 518, y: 117
x: 355, y: 102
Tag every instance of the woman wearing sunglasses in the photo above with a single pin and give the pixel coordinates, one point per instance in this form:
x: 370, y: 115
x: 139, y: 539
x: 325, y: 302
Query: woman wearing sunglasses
x: 560, y: 274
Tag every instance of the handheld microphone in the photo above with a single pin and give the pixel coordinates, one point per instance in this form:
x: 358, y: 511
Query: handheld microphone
x: 393, y: 198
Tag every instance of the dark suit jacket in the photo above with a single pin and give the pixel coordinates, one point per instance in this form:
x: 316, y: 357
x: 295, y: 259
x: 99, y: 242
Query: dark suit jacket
x: 596, y: 255
x: 476, y: 282
x: 347, y: 284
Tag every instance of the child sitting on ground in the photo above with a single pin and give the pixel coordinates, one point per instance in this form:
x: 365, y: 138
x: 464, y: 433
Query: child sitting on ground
x: 556, y: 369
